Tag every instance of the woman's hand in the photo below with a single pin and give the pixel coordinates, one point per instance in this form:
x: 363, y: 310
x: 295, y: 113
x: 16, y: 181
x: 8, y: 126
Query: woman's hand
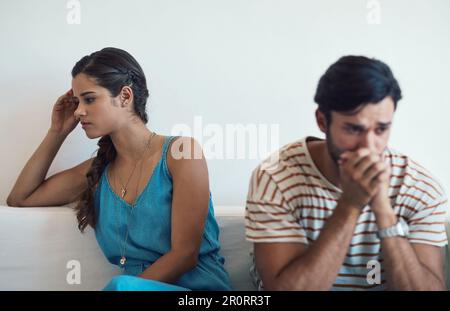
x: 63, y: 118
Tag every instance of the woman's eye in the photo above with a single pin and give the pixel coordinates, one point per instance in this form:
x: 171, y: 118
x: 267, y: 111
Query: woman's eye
x: 89, y: 100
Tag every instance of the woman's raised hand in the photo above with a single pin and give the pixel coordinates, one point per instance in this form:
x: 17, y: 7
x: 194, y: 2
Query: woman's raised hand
x: 63, y: 118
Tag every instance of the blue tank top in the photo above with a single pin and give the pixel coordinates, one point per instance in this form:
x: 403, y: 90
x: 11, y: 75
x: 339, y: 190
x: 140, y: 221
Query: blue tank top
x: 149, y: 233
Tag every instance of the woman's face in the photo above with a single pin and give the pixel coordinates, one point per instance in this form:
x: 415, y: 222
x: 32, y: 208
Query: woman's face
x: 97, y: 108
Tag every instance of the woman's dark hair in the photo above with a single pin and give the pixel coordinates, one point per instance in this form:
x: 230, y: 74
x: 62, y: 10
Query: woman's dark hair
x: 355, y: 81
x: 112, y: 69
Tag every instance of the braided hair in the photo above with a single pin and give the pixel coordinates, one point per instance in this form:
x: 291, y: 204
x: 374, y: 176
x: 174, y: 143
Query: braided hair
x: 112, y: 69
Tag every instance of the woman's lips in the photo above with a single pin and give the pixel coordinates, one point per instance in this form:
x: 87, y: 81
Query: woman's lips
x: 84, y: 125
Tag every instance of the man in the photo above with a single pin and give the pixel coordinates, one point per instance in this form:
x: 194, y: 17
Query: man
x: 347, y: 212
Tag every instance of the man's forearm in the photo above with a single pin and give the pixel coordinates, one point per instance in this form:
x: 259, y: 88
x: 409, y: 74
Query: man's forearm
x: 404, y: 271
x: 318, y: 267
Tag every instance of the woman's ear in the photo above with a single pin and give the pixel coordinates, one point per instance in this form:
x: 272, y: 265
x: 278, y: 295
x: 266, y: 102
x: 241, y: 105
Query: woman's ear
x: 321, y: 121
x: 126, y: 96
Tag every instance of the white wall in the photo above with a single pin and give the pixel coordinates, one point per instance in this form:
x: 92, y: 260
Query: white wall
x: 228, y: 61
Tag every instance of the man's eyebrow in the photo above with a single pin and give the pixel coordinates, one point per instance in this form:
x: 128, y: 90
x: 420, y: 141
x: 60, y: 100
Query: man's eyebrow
x: 354, y: 125
x: 360, y: 126
x: 385, y: 124
x: 86, y: 93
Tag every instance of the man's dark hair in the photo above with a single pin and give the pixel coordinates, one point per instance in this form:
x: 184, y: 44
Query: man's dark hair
x: 354, y: 81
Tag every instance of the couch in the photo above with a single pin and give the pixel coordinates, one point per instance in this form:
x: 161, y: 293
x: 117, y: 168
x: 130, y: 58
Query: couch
x: 41, y: 248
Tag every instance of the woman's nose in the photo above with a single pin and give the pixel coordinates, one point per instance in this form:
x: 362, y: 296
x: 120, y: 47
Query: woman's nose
x: 80, y: 111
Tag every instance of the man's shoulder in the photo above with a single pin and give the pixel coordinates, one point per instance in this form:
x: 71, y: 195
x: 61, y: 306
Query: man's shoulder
x: 407, y: 172
x: 290, y: 157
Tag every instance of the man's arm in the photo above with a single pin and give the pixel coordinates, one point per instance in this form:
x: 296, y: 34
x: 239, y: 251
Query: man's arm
x: 298, y: 267
x: 409, y: 266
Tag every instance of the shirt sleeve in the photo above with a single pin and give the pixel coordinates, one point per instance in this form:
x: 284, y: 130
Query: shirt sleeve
x: 427, y: 224
x: 268, y: 217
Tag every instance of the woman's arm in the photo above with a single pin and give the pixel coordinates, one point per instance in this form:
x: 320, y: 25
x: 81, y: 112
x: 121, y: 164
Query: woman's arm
x: 189, y: 212
x: 31, y: 188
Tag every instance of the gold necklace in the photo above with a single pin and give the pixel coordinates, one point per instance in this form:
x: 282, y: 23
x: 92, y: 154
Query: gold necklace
x: 124, y: 189
x: 122, y: 246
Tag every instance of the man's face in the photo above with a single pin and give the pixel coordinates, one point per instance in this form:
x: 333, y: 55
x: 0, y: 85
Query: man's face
x: 368, y: 128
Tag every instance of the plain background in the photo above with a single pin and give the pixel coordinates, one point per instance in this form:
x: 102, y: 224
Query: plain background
x: 229, y: 62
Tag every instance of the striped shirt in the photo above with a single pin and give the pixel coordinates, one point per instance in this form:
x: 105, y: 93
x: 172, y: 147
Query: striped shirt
x: 292, y: 202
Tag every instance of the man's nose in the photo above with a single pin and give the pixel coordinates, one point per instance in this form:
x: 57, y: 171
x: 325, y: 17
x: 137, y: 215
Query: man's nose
x: 368, y: 140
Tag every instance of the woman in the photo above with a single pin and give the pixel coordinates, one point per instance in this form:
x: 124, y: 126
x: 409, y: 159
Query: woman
x: 146, y: 195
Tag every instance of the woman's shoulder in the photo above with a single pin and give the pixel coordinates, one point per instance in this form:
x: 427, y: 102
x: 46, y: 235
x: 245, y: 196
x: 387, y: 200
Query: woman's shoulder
x: 184, y: 153
x: 183, y: 148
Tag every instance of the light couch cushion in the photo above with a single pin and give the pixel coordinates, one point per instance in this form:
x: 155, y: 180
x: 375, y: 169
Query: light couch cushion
x: 236, y: 249
x: 38, y: 243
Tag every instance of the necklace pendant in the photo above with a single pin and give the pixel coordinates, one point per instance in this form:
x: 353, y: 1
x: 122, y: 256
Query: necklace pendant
x: 122, y: 260
x: 124, y: 192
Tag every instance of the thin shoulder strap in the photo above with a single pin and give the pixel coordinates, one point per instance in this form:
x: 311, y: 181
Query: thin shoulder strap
x: 166, y: 145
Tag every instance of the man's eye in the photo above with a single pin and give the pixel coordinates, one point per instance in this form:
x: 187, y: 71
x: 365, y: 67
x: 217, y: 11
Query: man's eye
x: 381, y: 130
x: 352, y: 130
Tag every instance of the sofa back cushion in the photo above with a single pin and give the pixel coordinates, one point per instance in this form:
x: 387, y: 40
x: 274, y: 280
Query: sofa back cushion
x: 42, y: 249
